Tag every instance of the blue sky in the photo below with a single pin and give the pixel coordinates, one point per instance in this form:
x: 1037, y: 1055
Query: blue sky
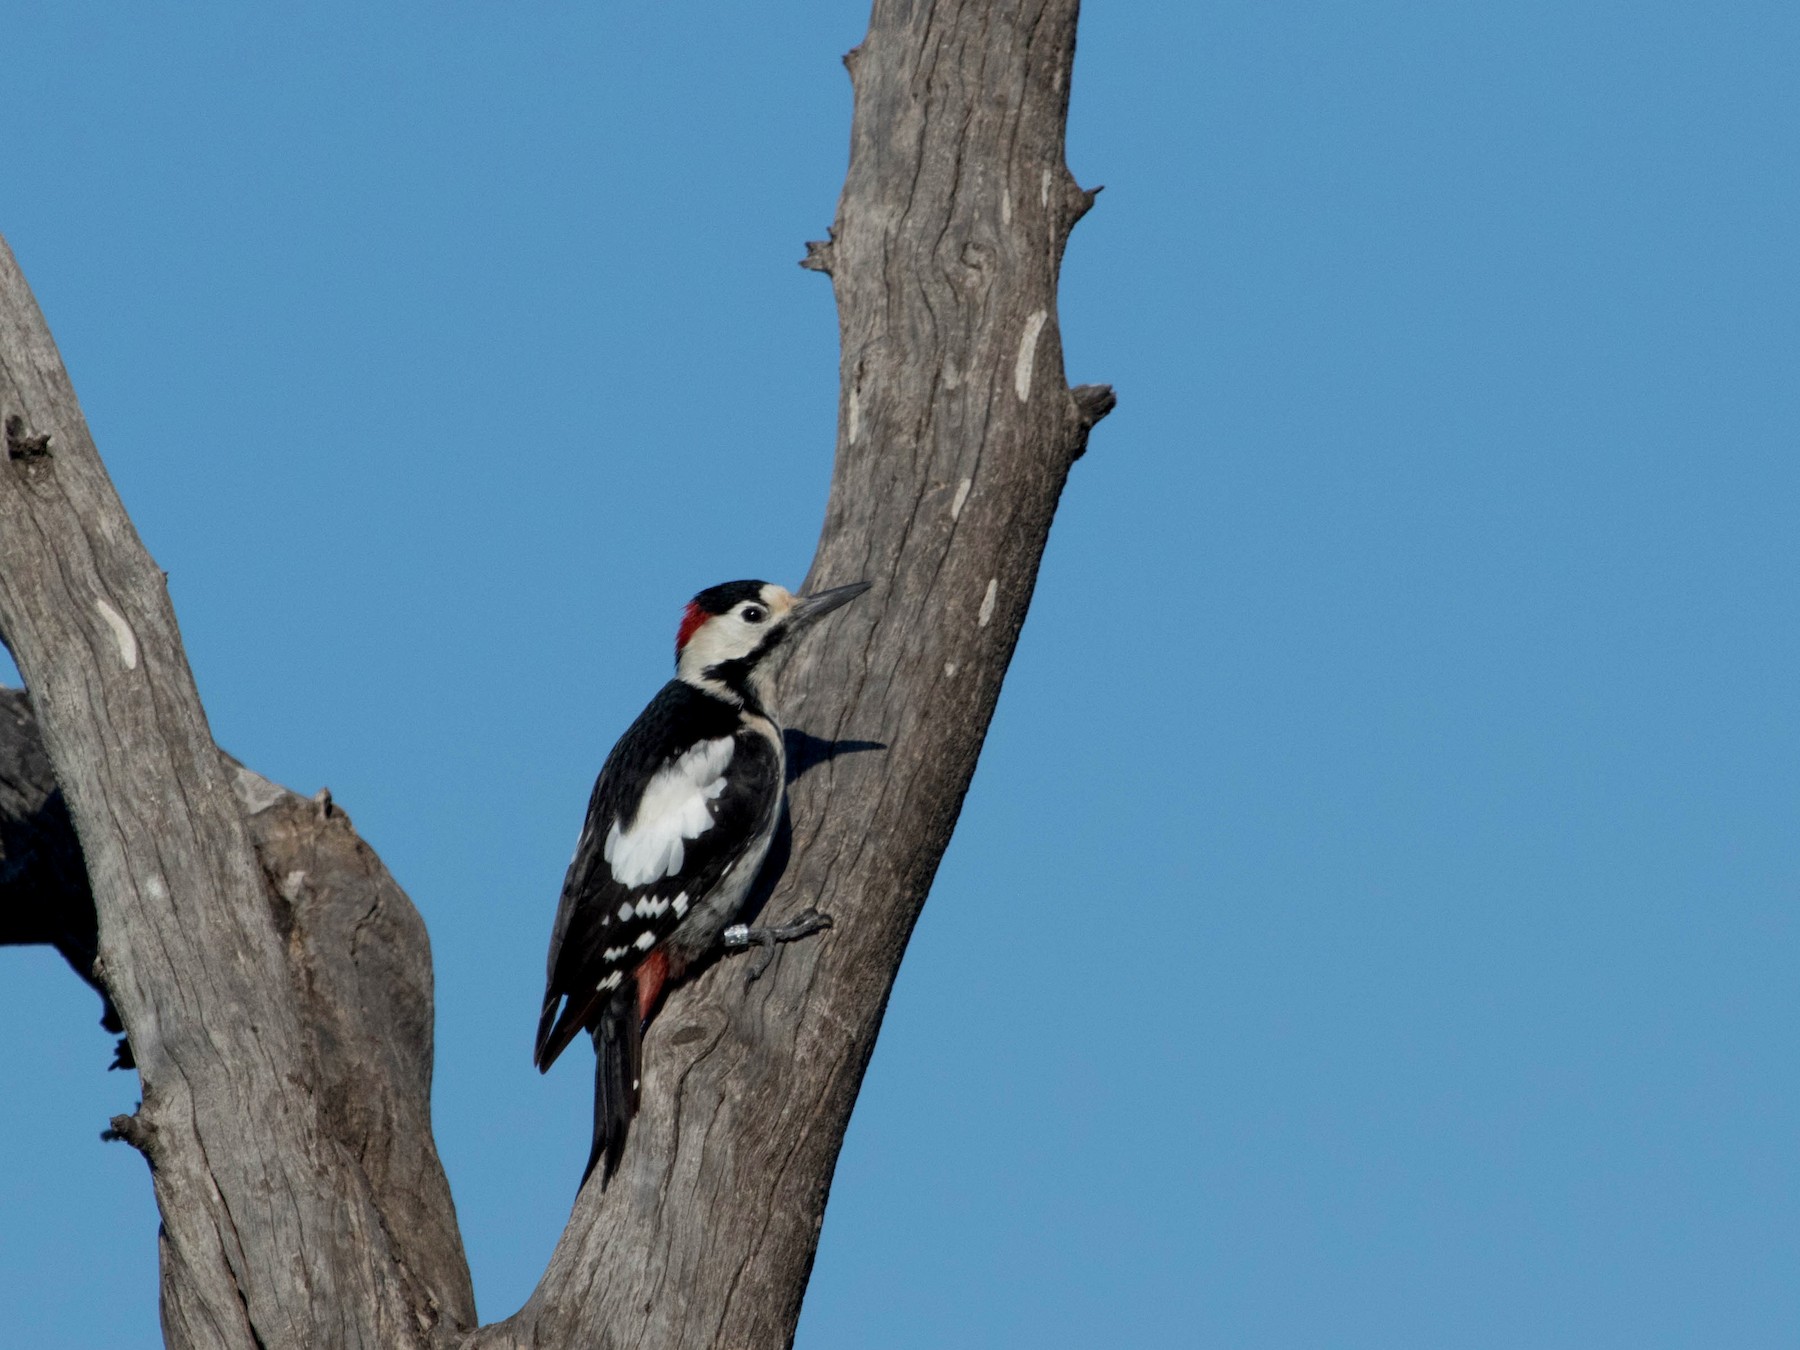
x: 1373, y: 920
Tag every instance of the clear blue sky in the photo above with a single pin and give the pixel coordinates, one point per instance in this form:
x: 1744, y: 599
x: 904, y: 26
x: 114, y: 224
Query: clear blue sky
x: 1373, y: 923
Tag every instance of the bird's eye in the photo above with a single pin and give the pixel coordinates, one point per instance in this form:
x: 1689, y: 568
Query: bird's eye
x: 755, y: 613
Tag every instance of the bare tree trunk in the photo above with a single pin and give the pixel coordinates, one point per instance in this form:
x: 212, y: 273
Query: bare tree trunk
x: 275, y: 984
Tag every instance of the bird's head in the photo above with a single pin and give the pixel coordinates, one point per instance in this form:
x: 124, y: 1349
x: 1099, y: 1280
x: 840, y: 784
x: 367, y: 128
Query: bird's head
x: 728, y: 632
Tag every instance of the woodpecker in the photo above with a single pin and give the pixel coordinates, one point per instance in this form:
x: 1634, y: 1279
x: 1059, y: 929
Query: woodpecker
x: 677, y: 828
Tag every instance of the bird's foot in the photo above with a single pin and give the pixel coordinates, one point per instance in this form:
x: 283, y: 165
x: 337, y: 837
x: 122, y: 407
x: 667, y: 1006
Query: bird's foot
x: 804, y: 924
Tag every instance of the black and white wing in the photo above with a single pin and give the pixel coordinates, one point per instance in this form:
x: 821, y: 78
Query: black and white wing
x: 683, y: 795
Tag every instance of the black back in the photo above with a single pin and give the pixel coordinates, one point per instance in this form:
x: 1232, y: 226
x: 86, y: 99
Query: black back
x: 588, y: 921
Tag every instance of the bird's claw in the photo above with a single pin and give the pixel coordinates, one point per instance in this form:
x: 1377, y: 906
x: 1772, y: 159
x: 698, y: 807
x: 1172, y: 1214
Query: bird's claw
x: 804, y: 924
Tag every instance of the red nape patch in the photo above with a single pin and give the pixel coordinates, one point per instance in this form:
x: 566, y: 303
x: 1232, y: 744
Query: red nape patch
x: 691, y: 619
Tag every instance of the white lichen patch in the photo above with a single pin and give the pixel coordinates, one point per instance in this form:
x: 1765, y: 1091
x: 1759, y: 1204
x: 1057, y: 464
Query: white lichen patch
x: 1044, y: 189
x: 853, y: 415
x: 949, y: 669
x: 1028, y: 341
x: 122, y: 634
x: 987, y: 603
x: 962, y: 497
x: 1006, y: 207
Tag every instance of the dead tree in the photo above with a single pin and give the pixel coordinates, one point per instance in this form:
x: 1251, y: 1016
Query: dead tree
x: 275, y: 984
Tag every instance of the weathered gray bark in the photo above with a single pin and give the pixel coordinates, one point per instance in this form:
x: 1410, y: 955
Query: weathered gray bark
x: 270, y: 1183
x: 275, y: 984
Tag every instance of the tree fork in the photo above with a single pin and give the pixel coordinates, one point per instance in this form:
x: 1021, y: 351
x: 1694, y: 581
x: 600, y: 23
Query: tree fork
x: 286, y: 1090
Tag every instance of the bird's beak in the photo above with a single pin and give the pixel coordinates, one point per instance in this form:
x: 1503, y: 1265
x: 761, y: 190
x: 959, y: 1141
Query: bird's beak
x: 809, y: 609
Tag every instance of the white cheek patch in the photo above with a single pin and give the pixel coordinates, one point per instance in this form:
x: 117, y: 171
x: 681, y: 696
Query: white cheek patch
x: 677, y: 807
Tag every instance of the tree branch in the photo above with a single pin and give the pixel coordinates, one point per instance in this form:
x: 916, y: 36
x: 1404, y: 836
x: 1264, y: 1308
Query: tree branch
x: 276, y: 984
x: 956, y: 432
x: 272, y: 1196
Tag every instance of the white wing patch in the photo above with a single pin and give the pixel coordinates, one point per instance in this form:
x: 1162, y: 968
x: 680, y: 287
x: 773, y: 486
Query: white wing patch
x: 677, y: 807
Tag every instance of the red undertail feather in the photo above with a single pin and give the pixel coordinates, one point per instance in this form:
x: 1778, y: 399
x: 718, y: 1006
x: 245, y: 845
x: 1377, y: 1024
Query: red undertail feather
x: 651, y: 972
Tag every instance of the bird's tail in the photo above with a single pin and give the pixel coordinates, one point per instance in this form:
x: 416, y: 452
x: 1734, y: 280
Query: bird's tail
x: 618, y: 1058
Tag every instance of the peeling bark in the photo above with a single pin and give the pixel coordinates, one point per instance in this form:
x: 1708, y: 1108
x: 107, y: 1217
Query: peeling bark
x: 276, y: 984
